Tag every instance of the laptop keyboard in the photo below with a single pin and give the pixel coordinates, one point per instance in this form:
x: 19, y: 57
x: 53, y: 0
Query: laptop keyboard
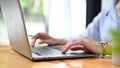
x: 45, y: 51
x: 53, y: 50
x: 56, y: 47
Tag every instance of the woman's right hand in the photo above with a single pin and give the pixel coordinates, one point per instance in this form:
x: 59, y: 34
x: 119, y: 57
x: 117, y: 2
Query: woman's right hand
x: 44, y: 38
x: 84, y: 43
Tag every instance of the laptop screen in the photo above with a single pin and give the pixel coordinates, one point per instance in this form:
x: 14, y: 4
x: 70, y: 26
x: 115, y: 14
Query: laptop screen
x: 14, y: 21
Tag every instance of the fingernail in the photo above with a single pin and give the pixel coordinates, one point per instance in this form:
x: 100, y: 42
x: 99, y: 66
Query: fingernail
x: 63, y: 52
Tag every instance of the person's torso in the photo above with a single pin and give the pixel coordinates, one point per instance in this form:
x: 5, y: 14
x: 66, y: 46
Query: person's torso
x: 110, y: 20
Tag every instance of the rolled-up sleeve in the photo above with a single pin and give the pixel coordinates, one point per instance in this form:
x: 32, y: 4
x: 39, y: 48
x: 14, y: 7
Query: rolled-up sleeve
x: 93, y: 29
x: 98, y: 28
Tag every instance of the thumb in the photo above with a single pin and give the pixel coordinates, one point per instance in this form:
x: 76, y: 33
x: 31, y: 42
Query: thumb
x: 42, y: 41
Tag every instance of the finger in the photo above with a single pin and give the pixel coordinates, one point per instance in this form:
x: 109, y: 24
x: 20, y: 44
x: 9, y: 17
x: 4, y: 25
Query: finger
x: 35, y: 36
x: 33, y: 41
x: 42, y: 41
x: 67, y: 47
x: 74, y: 48
x: 77, y: 47
x: 85, y: 44
x: 89, y: 45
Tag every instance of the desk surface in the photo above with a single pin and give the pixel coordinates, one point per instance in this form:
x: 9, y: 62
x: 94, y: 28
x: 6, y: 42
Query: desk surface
x: 11, y: 59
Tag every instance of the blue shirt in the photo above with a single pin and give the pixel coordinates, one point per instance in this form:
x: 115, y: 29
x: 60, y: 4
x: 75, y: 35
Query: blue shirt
x: 99, y: 27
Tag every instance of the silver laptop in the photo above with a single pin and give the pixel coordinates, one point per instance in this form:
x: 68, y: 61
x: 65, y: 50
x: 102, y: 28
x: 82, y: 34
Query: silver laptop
x: 18, y: 37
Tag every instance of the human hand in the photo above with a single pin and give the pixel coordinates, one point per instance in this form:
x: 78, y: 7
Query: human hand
x: 44, y: 38
x: 85, y: 44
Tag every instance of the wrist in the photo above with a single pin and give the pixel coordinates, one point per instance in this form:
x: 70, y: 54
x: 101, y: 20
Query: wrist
x: 59, y: 41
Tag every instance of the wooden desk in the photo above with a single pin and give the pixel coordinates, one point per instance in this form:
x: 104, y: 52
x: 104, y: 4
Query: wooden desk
x: 11, y: 59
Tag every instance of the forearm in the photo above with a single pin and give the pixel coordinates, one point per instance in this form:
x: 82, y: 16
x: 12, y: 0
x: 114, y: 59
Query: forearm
x: 61, y: 41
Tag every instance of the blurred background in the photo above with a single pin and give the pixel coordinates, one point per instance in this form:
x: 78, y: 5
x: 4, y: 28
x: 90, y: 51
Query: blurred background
x: 59, y: 18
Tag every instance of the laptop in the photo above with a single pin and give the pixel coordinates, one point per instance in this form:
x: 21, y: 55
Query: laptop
x: 18, y: 37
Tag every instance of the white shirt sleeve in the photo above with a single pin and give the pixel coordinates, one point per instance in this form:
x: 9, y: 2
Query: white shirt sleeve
x: 93, y: 29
